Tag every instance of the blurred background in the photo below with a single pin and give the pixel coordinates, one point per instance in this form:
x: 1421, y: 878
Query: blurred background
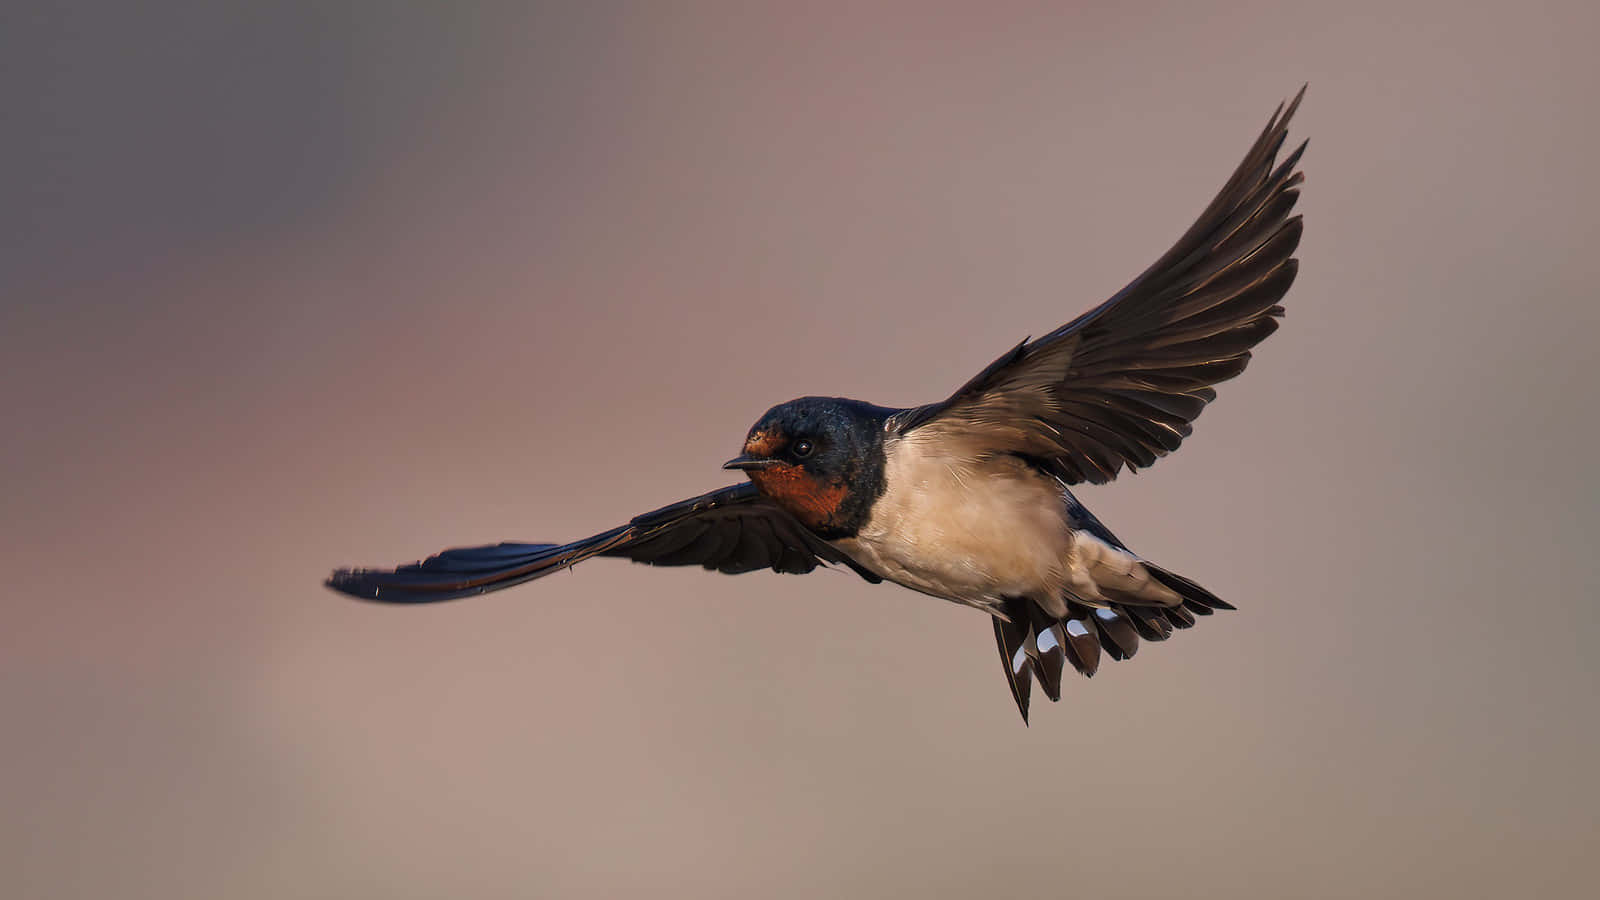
x: 297, y: 285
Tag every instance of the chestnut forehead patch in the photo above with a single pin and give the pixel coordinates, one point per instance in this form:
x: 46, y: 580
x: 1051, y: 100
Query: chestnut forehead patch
x: 765, y: 442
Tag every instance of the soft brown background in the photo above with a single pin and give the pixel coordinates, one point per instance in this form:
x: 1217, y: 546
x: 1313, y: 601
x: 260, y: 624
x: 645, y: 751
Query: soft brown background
x: 295, y: 285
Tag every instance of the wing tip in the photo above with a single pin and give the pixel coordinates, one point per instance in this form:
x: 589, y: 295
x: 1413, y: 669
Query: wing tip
x: 369, y: 585
x: 351, y: 583
x: 1294, y: 104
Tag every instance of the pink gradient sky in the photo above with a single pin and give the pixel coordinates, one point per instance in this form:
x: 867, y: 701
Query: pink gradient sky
x: 299, y: 285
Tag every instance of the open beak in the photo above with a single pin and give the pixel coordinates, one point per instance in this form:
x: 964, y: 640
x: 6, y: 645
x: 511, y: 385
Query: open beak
x: 748, y: 462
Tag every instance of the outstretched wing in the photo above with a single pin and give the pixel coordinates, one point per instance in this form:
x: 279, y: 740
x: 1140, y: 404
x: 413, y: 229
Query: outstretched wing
x: 733, y: 530
x: 1121, y: 384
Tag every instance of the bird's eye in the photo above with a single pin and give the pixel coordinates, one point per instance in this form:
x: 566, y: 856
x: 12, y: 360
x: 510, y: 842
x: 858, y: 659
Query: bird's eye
x: 801, y: 449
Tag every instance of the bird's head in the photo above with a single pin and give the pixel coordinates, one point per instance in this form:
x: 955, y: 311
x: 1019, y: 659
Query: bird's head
x: 820, y: 458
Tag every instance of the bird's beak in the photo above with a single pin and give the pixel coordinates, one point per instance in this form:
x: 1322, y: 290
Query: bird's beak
x: 748, y: 462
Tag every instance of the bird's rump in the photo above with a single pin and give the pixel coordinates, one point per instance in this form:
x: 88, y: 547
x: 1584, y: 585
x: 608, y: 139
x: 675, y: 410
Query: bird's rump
x: 1121, y: 384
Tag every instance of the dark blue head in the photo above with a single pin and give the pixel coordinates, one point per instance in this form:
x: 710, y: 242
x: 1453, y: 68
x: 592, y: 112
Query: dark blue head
x: 821, y: 459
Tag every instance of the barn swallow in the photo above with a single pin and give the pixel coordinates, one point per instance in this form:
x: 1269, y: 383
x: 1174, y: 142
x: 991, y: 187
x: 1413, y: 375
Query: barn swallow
x: 969, y: 499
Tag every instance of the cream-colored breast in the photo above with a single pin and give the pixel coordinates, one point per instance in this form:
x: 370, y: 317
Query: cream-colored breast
x: 966, y: 530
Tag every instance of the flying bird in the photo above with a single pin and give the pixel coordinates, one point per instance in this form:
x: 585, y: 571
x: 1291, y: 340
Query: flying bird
x: 969, y: 499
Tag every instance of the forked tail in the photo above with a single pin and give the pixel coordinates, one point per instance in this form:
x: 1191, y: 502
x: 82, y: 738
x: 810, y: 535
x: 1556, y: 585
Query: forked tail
x: 1035, y: 644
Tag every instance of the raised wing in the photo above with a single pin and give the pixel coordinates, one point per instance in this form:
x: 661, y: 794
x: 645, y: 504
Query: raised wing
x: 733, y: 530
x: 1121, y: 384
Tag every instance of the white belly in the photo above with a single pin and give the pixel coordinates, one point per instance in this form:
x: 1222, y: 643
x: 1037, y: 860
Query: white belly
x: 972, y: 532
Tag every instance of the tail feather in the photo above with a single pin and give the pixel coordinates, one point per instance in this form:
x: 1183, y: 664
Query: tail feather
x: 1117, y: 635
x: 1048, y: 643
x: 1178, y: 616
x: 1053, y: 650
x: 1083, y: 641
x: 1036, y: 644
x: 1192, y: 594
x: 1009, y: 637
x: 1148, y: 621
